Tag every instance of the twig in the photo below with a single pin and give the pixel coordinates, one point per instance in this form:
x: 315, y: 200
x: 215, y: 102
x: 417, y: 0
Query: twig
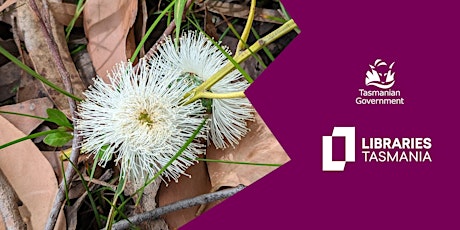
x: 99, y: 182
x: 156, y: 213
x: 197, y: 92
x: 65, y: 75
x: 166, y: 33
x: 9, y: 205
x: 247, y: 29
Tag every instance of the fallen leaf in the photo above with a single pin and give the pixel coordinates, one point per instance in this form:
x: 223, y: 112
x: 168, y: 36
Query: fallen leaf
x: 55, y: 162
x: 241, y: 11
x: 10, y: 75
x: 107, y: 24
x: 258, y: 146
x: 29, y: 87
x: 64, y: 13
x: 186, y: 188
x: 9, y: 46
x: 35, y: 107
x: 140, y: 25
x: 30, y: 174
x: 42, y: 59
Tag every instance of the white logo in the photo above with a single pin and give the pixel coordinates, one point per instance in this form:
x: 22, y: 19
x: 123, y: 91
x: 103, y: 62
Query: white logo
x: 380, y: 75
x: 349, y: 134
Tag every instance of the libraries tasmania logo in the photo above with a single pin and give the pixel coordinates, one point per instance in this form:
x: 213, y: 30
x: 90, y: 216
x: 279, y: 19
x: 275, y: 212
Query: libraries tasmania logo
x: 375, y: 149
x: 379, y: 80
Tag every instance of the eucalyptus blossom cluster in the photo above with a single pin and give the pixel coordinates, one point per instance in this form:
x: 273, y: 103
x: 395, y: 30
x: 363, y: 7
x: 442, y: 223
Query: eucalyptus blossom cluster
x: 141, y: 118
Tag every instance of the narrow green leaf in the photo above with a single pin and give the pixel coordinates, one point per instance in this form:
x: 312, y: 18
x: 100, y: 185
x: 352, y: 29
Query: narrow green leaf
x: 179, y: 8
x: 58, y: 117
x: 90, y: 195
x: 24, y: 115
x: 78, y: 11
x: 150, y: 30
x: 58, y: 139
x: 35, y: 74
x: 227, y: 55
x: 96, y: 160
x: 31, y: 136
x: 238, y: 162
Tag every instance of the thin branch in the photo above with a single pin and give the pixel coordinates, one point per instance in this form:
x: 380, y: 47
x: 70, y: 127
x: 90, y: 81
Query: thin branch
x: 9, y: 205
x: 247, y: 29
x: 183, y: 204
x: 65, y: 75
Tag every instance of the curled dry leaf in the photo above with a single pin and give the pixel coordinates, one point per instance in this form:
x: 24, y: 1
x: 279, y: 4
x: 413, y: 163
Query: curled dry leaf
x: 35, y: 107
x: 30, y: 174
x: 42, y: 59
x: 258, y: 146
x: 107, y: 24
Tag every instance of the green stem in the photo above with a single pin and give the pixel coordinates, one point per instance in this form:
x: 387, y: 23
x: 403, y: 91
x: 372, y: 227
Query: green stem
x: 210, y: 95
x: 258, y: 45
x: 247, y: 29
x: 110, y: 218
x: 31, y: 136
x: 266, y: 50
x: 237, y: 162
x: 26, y: 115
x: 234, y: 63
x: 36, y: 75
x: 174, y: 158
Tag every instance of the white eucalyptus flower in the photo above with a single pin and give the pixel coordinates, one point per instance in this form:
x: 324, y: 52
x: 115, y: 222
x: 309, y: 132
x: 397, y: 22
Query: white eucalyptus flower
x: 198, y: 59
x: 139, y: 120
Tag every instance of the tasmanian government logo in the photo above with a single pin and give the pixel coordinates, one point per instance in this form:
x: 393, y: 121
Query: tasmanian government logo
x: 379, y: 79
x: 380, y: 76
x: 376, y: 149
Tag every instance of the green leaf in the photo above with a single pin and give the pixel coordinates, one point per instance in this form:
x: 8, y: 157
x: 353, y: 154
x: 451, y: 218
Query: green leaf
x: 179, y: 8
x: 150, y: 30
x: 58, y: 117
x: 34, y: 74
x: 58, y: 139
x: 31, y: 136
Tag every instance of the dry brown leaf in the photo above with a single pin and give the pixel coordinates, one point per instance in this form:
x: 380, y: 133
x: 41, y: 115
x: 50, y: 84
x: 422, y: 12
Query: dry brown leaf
x: 35, y: 107
x: 55, y: 162
x: 41, y: 57
x: 258, y: 146
x: 9, y: 46
x: 186, y: 188
x: 9, y: 75
x: 30, y: 174
x: 64, y: 12
x: 29, y: 87
x: 107, y: 23
x: 140, y: 25
x: 241, y: 11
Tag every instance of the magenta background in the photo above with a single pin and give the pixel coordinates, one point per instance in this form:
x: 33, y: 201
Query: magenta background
x: 311, y: 87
